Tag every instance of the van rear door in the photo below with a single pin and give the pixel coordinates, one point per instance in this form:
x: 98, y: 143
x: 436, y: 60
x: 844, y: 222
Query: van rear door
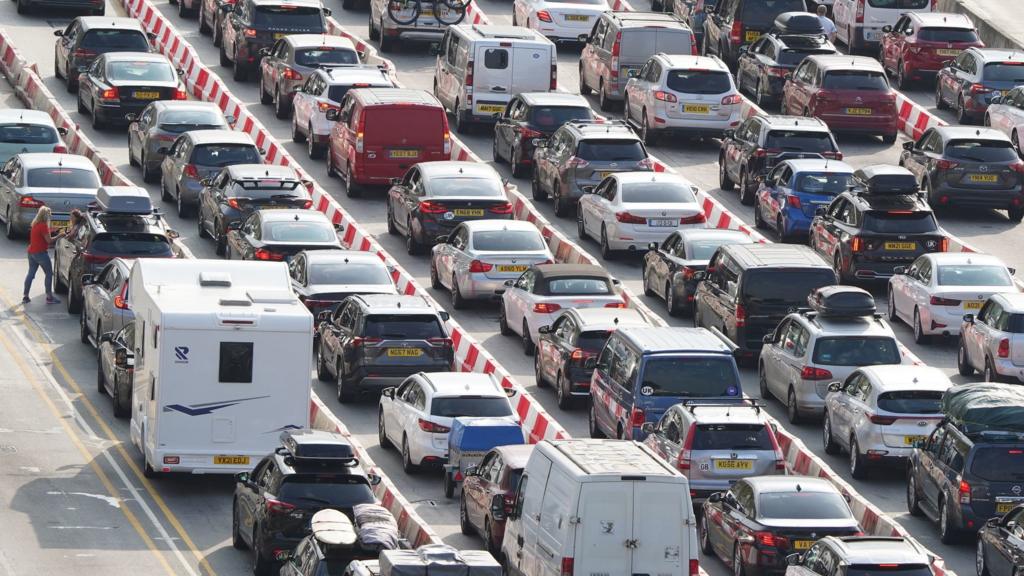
x: 606, y: 524
x: 531, y: 68
x: 492, y: 77
x: 400, y: 135
x: 661, y: 543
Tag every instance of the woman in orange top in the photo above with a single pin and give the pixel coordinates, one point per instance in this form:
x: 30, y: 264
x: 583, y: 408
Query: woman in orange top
x: 40, y: 240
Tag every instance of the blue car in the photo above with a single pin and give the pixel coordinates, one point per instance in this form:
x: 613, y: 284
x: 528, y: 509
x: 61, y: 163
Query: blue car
x: 789, y: 195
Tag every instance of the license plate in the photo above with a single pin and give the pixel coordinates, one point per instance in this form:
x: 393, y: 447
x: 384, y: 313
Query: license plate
x: 469, y: 211
x: 490, y: 108
x: 604, y: 175
x: 801, y: 544
x: 576, y: 18
x: 984, y: 178
x: 1004, y: 507
x: 901, y: 245
x: 231, y: 460
x: 512, y: 267
x: 973, y: 304
x: 142, y: 95
x: 859, y: 111
x: 404, y: 352
x: 734, y: 465
x: 279, y: 35
x: 59, y: 224
x: 428, y: 13
x: 696, y: 108
x: 910, y: 440
x: 403, y: 153
x: 662, y: 221
x: 751, y: 35
x: 947, y: 52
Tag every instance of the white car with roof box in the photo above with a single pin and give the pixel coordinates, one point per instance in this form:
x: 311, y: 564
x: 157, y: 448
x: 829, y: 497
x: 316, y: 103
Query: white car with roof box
x: 559, y: 20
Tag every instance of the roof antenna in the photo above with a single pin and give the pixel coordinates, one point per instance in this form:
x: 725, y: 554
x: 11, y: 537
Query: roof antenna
x: 296, y: 217
x: 798, y: 488
x: 616, y: 321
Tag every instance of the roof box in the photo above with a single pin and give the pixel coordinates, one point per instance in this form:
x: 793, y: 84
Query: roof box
x: 123, y: 200
x: 841, y: 301
x: 799, y: 23
x: 318, y: 445
x: 986, y: 406
x: 885, y: 179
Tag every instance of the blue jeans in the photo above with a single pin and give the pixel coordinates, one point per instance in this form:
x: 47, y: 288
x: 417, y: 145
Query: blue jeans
x: 36, y: 261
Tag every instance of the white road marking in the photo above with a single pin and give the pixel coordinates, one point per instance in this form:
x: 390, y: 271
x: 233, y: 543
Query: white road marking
x: 115, y: 502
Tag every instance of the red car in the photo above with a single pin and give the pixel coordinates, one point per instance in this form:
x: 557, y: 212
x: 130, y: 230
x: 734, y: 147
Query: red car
x: 918, y: 45
x: 488, y: 493
x: 848, y: 93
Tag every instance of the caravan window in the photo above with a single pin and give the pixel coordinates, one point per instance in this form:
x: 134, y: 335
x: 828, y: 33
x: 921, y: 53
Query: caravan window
x: 236, y: 362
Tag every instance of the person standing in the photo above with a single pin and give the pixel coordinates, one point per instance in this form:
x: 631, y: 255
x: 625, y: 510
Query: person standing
x: 826, y: 23
x: 39, y: 241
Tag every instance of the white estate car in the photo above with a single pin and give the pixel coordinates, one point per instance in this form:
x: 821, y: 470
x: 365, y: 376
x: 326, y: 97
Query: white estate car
x: 562, y: 21
x: 934, y: 293
x: 538, y: 297
x: 1006, y: 114
x: 417, y: 415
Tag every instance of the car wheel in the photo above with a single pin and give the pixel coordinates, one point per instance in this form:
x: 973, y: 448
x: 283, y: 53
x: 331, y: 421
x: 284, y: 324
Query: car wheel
x: 297, y: 136
x: 858, y: 464
x: 204, y: 25
x: 516, y: 160
x: 183, y: 209
x: 407, y: 466
x: 762, y: 383
x: 746, y: 189
x: 221, y: 240
x: 535, y: 187
x: 737, y: 561
x: 890, y: 138
x: 602, y: 98
x: 239, y: 73
x: 352, y: 189
x: 346, y: 394
x: 74, y: 298
x: 759, y: 222
x: 461, y: 125
x: 961, y: 112
x: 218, y: 37
x: 980, y: 567
x: 792, y: 410
x: 495, y: 155
x: 1015, y: 214
x: 780, y: 230
x: 901, y: 77
x: 382, y: 434
x: 122, y: 405
x: 322, y: 373
x: 1016, y: 143
x: 538, y: 376
x: 919, y: 336
x: 224, y: 60
x: 962, y: 365
x: 890, y: 311
x: 464, y: 526
x: 705, y: 536
x: 606, y: 250
x: 387, y: 43
x: 9, y: 229
x: 260, y: 566
x: 645, y: 280
x: 759, y: 97
x: 412, y: 245
x: 448, y: 484
x: 560, y: 204
x: 827, y: 441
x: 581, y: 228
x: 435, y: 282
x: 59, y: 286
x: 948, y: 534
x: 584, y: 89
x: 672, y: 304
x: 372, y: 28
x: 101, y: 380
x: 458, y: 302
x: 940, y: 104
x: 281, y: 107
x: 71, y: 79
x: 261, y: 89
x: 392, y: 227
x: 503, y: 327
x: 649, y: 137
x: 724, y: 182
x: 837, y: 264
x: 237, y: 542
x: 495, y: 547
x: 989, y: 374
x: 563, y: 393
x: 528, y: 346
x: 913, y: 503
x: 595, y: 431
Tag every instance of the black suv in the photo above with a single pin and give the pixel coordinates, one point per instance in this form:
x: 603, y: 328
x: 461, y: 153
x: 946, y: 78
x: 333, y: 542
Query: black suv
x: 761, y: 142
x: 532, y: 115
x: 747, y: 289
x: 371, y: 342
x: 256, y: 24
x: 273, y: 504
x: 86, y: 37
x: 762, y: 67
x: 880, y: 224
x: 736, y: 23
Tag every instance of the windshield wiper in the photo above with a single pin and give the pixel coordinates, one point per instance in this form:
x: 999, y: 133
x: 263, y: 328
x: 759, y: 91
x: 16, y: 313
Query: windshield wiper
x: 317, y: 500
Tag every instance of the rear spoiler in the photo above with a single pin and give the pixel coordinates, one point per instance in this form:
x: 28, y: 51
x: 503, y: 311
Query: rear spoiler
x: 725, y: 339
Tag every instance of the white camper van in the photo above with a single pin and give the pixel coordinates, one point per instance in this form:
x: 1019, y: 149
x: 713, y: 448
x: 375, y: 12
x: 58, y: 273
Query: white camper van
x: 222, y: 363
x: 600, y: 507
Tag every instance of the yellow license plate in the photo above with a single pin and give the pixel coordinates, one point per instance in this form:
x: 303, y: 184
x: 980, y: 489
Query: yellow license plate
x: 910, y: 440
x: 696, y: 108
x: 947, y: 52
x: 984, y: 178
x: 231, y: 460
x: 469, y: 211
x: 973, y: 305
x: 403, y: 153
x: 752, y: 35
x: 140, y: 95
x: 490, y: 108
x: 604, y: 175
x: 428, y: 13
x: 511, y: 268
x: 801, y: 544
x: 59, y: 224
x: 900, y: 245
x: 734, y: 465
x: 859, y: 111
x: 279, y: 35
x: 404, y: 352
x: 576, y: 17
x: 1004, y: 507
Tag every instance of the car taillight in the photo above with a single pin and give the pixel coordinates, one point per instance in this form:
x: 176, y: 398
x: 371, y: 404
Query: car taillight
x: 946, y: 164
x: 944, y: 244
x: 793, y: 201
x: 965, y: 492
x: 529, y: 133
x: 693, y: 48
x: 683, y: 461
x: 741, y: 316
x: 359, y: 142
x: 264, y: 254
x: 627, y: 218
x: 616, y: 47
x: 307, y: 204
x: 191, y: 171
x: 83, y: 53
x: 360, y: 341
x: 979, y: 89
x: 546, y: 308
x: 428, y: 426
x: 615, y: 305
x: 110, y: 94
x: 439, y: 341
x: 568, y: 566
x: 121, y: 300
x: 645, y: 164
x: 637, y: 418
x: 665, y: 96
x: 544, y: 16
x: 762, y: 152
x: 688, y: 272
x: 180, y: 94
x: 428, y: 207
x: 577, y: 162
x: 468, y: 80
x: 732, y: 99
x: 90, y: 258
x: 30, y: 202
x: 856, y: 244
x: 504, y: 208
x: 477, y: 266
x: 736, y: 33
x: 777, y: 72
x: 698, y: 218
x: 814, y: 373
x: 233, y: 202
x: 860, y: 13
x: 249, y: 32
x: 278, y: 507
x: 940, y: 301
x: 578, y: 354
x: 325, y: 106
x: 694, y: 567
x: 1017, y: 166
x: 1004, y: 348
x: 881, y: 420
x: 291, y: 74
x: 553, y: 84
x: 60, y: 149
x: 769, y: 539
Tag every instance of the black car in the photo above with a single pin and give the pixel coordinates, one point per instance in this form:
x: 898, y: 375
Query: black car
x: 760, y: 142
x: 880, y: 224
x: 115, y: 368
x: 242, y: 189
x: 122, y: 83
x: 86, y: 37
x: 736, y: 23
x: 1000, y: 549
x: 959, y: 166
x: 273, y: 504
x: 762, y: 67
x: 279, y: 234
x: 256, y: 24
x: 372, y: 342
x: 532, y: 115
x: 323, y: 278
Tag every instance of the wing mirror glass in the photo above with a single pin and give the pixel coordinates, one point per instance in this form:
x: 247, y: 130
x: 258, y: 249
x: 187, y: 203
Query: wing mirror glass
x: 793, y: 559
x: 835, y: 386
x: 242, y: 477
x: 163, y: 150
x: 969, y: 318
x: 58, y: 33
x: 788, y: 76
x: 445, y: 316
x: 590, y: 363
x: 62, y: 131
x: 899, y: 270
x: 332, y: 114
x: 728, y: 133
x: 819, y: 211
x: 107, y: 337
x: 470, y: 471
x: 647, y: 427
x: 205, y: 182
x: 389, y: 392
x: 539, y: 142
x: 374, y: 478
x: 996, y: 100
x: 587, y: 189
x: 324, y: 316
x: 715, y: 497
x: 88, y: 279
x: 700, y: 276
x: 234, y: 225
x: 172, y: 234
x: 887, y: 28
x: 544, y: 330
x: 908, y: 146
x: 441, y: 239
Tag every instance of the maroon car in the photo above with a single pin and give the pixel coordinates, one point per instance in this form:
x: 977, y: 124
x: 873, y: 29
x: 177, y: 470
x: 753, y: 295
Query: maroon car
x: 488, y: 491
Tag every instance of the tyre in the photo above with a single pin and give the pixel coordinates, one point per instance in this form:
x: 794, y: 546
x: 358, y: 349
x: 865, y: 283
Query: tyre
x: 352, y: 189
x: 913, y: 503
x: 746, y: 189
x: 461, y: 124
x: 603, y: 101
x: 346, y: 392
x: 762, y: 384
x: 149, y: 175
x: 503, y: 328
x: 83, y: 328
x: 536, y: 189
x: 560, y: 204
x: 673, y: 305
x: 827, y: 441
x: 458, y: 302
x: 382, y: 435
x: 204, y: 26
x: 407, y: 466
x: 322, y: 374
x: 737, y: 561
x: 515, y: 159
x: 724, y: 182
x: 858, y: 464
x: 980, y: 566
x: 81, y: 106
x: 122, y: 405
x: 940, y: 103
x: 581, y: 228
x: 261, y: 89
x: 387, y: 43
x: 101, y: 379
x: 239, y: 73
x: 282, y: 107
x: 902, y: 83
x: 448, y: 484
x: 961, y: 112
x: 890, y: 311
x: 646, y: 284
x: 529, y: 348
x: 464, y: 526
x: 392, y: 228
x: 919, y: 336
x: 22, y: 7
x: 759, y: 222
x: 74, y: 298
x: 705, y: 537
x: 412, y: 245
x: 584, y: 89
x: 224, y: 60
x: 373, y: 31
x: 9, y: 230
x: 563, y: 393
x: 948, y: 533
x: 606, y: 250
x: 962, y: 365
x: 260, y: 566
x: 1015, y: 214
x: 595, y: 431
x: 989, y: 374
x: 184, y: 210
x: 58, y: 285
x: 237, y: 542
x: 435, y: 282
x: 792, y: 409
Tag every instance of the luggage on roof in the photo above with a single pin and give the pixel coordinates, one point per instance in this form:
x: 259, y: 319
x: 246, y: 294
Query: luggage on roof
x: 438, y: 560
x: 985, y: 406
x: 840, y: 301
x: 376, y: 528
x: 123, y: 200
x: 333, y: 528
x: 797, y: 23
x: 885, y: 179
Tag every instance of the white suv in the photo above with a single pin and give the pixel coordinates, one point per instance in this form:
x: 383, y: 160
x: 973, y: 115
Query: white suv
x: 418, y: 414
x: 861, y: 556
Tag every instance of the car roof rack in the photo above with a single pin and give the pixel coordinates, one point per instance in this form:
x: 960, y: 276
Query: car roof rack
x: 724, y: 402
x: 609, y: 123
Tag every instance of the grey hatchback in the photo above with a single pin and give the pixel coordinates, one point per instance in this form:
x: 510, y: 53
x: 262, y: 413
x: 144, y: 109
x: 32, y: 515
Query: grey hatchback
x: 197, y: 155
x: 291, y: 60
x: 105, y: 305
x: 160, y: 124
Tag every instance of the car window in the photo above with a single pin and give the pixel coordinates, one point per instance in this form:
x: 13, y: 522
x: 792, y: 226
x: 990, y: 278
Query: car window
x: 973, y: 275
x: 1012, y: 71
x: 657, y: 192
x: 732, y: 437
x: 859, y: 80
x: 900, y: 222
x: 456, y: 406
x: 465, y: 187
x: 699, y: 81
x: 298, y: 231
x: 934, y: 34
x: 225, y: 154
x: 803, y: 505
x: 911, y: 401
x: 689, y: 377
x: 326, y: 56
x: 348, y: 273
x: 402, y: 326
x: 669, y: 427
x: 856, y: 351
x: 60, y: 177
x: 998, y: 464
x: 494, y: 474
x: 981, y: 150
x: 140, y: 71
x: 611, y: 150
x: 508, y: 240
x: 949, y: 455
x: 288, y: 17
x: 799, y: 141
x: 115, y: 41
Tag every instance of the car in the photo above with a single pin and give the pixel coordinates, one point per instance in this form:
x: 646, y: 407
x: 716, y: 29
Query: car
x: 287, y: 64
x: 121, y: 83
x: 159, y: 125
x: 496, y: 477
x: 670, y: 268
x: 961, y: 166
x: 677, y: 94
x: 430, y: 26
x: 999, y: 548
x: 63, y: 182
x: 630, y: 210
x: 239, y: 190
x: 812, y: 347
x: 878, y: 413
x: 791, y: 193
x: 991, y: 342
x: 105, y: 306
x: 24, y: 130
x: 277, y: 235
x: 210, y: 14
x: 860, y: 24
x: 323, y: 278
x: 532, y: 116
x: 86, y: 37
x: 256, y: 24
x: 863, y: 556
x: 475, y: 260
x: 564, y: 346
x: 762, y: 67
x: 560, y: 21
x: 691, y: 12
x: 533, y: 299
x: 761, y: 520
x: 374, y: 341
x: 850, y: 93
x: 93, y: 7
x: 432, y: 198
x: 761, y: 142
x: 272, y: 505
x: 732, y: 24
x: 714, y: 443
x: 1006, y: 114
x: 867, y: 232
x: 115, y: 367
x: 197, y: 155
x: 323, y: 90
x: 917, y: 45
x: 582, y: 153
x: 417, y: 415
x: 936, y: 290
x: 968, y: 83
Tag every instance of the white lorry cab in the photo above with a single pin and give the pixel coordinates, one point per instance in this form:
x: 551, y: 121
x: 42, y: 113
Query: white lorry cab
x: 599, y: 507
x: 222, y: 355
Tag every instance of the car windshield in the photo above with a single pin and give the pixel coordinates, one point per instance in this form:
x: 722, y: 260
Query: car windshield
x: 27, y: 134
x: 466, y: 187
x: 140, y: 71
x: 899, y: 4
x: 325, y: 490
x: 947, y: 35
x: 974, y: 275
x: 792, y: 57
x: 827, y: 183
x: 690, y: 377
x: 593, y: 340
x: 551, y: 117
x: 732, y: 437
x: 888, y: 570
x: 115, y: 41
x: 978, y: 150
x: 183, y: 120
x: 854, y: 80
x: 1004, y: 72
x: 1004, y: 464
x: 62, y: 178
x: 348, y: 273
x: 611, y: 150
x: 455, y: 406
x: 900, y: 222
x: 298, y: 231
x: 699, y: 81
x: 785, y: 285
x: 403, y: 326
x: 281, y: 17
x: 508, y: 241
x: 762, y: 13
x: 131, y: 244
x: 704, y: 249
x: 579, y: 287
x: 911, y: 401
x: 314, y: 57
x: 657, y: 193
x: 225, y: 154
x: 803, y: 505
x: 799, y: 141
x: 856, y: 351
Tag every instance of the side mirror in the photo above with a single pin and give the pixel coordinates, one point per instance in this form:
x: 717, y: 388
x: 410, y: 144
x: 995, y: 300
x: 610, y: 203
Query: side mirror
x: 396, y: 181
x: 58, y: 33
x: 296, y: 89
x: 947, y: 63
x: 234, y: 225
x: 1011, y: 525
x: 332, y: 114
x: 768, y: 339
x: 262, y: 151
x: 968, y: 318
x: 709, y: 9
x: 173, y: 234
x: 389, y: 392
x: 242, y: 477
x: 908, y: 146
x: 996, y: 100
x: 793, y: 559
x: 539, y: 142
x: 62, y: 131
x: 327, y: 12
x: 590, y: 363
x: 324, y: 316
x: 583, y: 38
x: 509, y: 283
x: 284, y: 556
x: 835, y: 386
x: 443, y: 239
x: 887, y: 28
x: 546, y: 329
x: 647, y: 427
x: 499, y: 509
x: 264, y: 51
x: 728, y: 133
x: 788, y: 76
x: 445, y: 316
x: 920, y: 444
x: 434, y: 48
x: 1011, y: 270
x: 107, y: 337
x: 819, y: 211
x: 587, y: 189
x: 181, y: 72
x: 470, y: 471
x: 163, y: 150
x: 715, y: 497
x: 899, y: 270
x: 205, y: 182
x: 151, y: 36
x: 88, y: 279
x: 699, y: 276
x: 653, y: 246
x: 131, y: 117
x: 373, y: 478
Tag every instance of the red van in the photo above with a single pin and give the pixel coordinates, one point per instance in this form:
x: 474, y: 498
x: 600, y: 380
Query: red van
x: 380, y: 133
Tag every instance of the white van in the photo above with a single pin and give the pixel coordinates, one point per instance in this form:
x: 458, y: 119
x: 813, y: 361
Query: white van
x: 480, y: 67
x: 600, y: 507
x: 860, y: 22
x: 223, y: 353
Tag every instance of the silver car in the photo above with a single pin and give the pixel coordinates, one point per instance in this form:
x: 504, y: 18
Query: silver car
x: 428, y: 27
x: 198, y: 155
x: 28, y: 131
x: 160, y: 124
x: 993, y: 341
x: 61, y: 181
x: 105, y: 305
x: 291, y: 60
x: 476, y: 259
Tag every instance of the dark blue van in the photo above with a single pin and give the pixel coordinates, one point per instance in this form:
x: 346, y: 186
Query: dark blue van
x: 642, y: 371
